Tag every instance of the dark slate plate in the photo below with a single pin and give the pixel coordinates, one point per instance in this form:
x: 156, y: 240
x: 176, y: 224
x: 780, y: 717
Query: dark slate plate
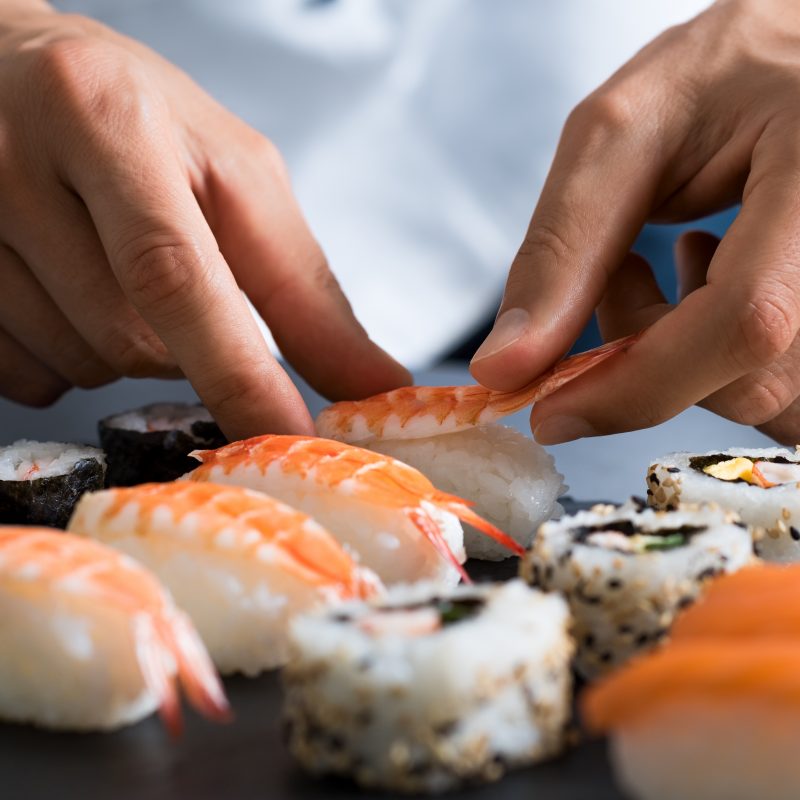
x: 243, y: 760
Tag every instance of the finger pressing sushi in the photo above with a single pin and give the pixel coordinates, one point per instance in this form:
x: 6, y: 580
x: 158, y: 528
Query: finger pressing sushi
x: 388, y: 513
x: 761, y: 485
x: 425, y: 690
x: 704, y: 720
x: 626, y: 571
x: 90, y: 641
x: 238, y: 562
x: 40, y: 482
x: 511, y: 479
x: 414, y: 412
x: 153, y: 443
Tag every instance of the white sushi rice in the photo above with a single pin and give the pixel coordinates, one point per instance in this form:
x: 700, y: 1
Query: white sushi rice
x: 378, y: 692
x: 511, y: 479
x: 161, y: 417
x: 672, y: 480
x: 68, y: 665
x: 28, y: 460
x: 624, y: 601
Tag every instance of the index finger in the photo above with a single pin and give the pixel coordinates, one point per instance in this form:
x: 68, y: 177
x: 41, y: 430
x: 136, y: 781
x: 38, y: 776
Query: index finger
x: 597, y: 196
x: 744, y: 318
x: 167, y: 262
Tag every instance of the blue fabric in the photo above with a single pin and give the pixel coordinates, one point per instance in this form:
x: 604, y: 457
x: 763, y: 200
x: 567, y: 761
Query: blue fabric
x: 655, y: 243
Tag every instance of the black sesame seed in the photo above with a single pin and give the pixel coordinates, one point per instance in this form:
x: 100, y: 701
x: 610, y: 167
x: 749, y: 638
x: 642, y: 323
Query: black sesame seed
x: 642, y: 639
x: 588, y: 640
x: 614, y: 583
x: 639, y: 502
x: 649, y: 492
x: 709, y: 572
x: 685, y: 601
x: 654, y: 479
x: 795, y: 534
x: 673, y: 469
x: 606, y: 657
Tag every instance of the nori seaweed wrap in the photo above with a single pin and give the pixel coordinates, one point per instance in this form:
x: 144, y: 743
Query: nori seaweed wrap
x: 40, y: 482
x: 152, y: 443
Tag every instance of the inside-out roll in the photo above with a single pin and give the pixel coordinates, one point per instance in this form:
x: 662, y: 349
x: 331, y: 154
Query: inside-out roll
x: 626, y: 571
x: 762, y: 485
x: 511, y: 479
x: 424, y: 690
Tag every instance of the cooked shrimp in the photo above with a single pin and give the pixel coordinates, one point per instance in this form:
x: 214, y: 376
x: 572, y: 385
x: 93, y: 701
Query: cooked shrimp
x: 90, y: 640
x: 390, y: 514
x: 415, y: 412
x: 238, y: 562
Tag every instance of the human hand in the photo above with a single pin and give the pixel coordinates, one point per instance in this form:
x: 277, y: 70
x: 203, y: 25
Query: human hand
x: 133, y: 210
x: 703, y: 117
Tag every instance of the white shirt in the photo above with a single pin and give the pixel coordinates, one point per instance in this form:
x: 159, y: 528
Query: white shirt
x: 418, y: 132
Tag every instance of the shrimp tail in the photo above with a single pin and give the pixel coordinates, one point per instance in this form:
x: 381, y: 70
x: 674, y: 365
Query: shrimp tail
x: 466, y: 514
x: 431, y: 531
x: 151, y: 655
x: 197, y: 674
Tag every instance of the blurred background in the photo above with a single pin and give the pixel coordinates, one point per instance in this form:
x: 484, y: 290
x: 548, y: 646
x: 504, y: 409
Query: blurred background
x: 418, y: 134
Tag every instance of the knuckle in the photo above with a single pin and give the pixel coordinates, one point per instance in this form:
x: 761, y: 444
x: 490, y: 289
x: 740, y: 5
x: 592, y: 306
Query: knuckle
x: 239, y: 389
x: 161, y: 274
x: 270, y: 157
x: 605, y: 112
x: 759, y: 401
x: 548, y: 239
x: 765, y: 330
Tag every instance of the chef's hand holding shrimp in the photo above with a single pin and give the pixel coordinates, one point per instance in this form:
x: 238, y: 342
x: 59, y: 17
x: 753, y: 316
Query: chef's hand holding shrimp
x: 133, y: 209
x: 705, y: 116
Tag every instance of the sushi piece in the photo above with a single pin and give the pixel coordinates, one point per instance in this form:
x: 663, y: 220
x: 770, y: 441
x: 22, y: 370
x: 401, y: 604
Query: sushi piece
x: 627, y: 571
x: 385, y: 511
x: 761, y: 485
x: 238, y: 562
x: 511, y: 479
x: 425, y: 690
x: 40, y: 482
x: 704, y: 720
x: 449, y: 434
x: 153, y: 443
x: 762, y: 602
x: 416, y: 412
x: 90, y: 641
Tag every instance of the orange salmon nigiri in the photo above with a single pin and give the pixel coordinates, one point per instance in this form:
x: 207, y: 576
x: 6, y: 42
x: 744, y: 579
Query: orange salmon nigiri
x: 89, y: 640
x: 390, y: 514
x: 704, y: 720
x: 758, y: 602
x: 240, y: 563
x: 416, y: 412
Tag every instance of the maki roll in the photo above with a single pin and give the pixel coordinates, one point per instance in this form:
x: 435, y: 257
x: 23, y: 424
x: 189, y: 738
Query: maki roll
x: 761, y: 485
x: 511, y: 479
x: 424, y: 690
x: 40, y: 482
x: 626, y: 571
x: 152, y: 443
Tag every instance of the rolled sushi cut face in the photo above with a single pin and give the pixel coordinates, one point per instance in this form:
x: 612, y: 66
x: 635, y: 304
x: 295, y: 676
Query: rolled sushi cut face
x: 152, y: 443
x: 426, y: 690
x: 761, y: 485
x: 40, y: 482
x: 511, y: 479
x: 626, y: 572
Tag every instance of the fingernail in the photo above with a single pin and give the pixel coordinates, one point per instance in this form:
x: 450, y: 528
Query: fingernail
x: 560, y: 429
x: 511, y: 325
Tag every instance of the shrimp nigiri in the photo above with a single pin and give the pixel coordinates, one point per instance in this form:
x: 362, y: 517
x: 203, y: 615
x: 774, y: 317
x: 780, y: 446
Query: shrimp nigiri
x: 393, y: 517
x: 89, y: 640
x: 704, y: 720
x: 238, y: 562
x: 415, y: 412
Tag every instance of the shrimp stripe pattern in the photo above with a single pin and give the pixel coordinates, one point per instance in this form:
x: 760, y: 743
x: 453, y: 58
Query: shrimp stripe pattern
x: 40, y: 563
x: 341, y: 468
x: 414, y: 412
x: 227, y: 519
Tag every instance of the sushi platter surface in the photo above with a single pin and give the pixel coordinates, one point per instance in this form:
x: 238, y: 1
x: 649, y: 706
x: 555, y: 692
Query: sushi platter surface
x: 244, y: 759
